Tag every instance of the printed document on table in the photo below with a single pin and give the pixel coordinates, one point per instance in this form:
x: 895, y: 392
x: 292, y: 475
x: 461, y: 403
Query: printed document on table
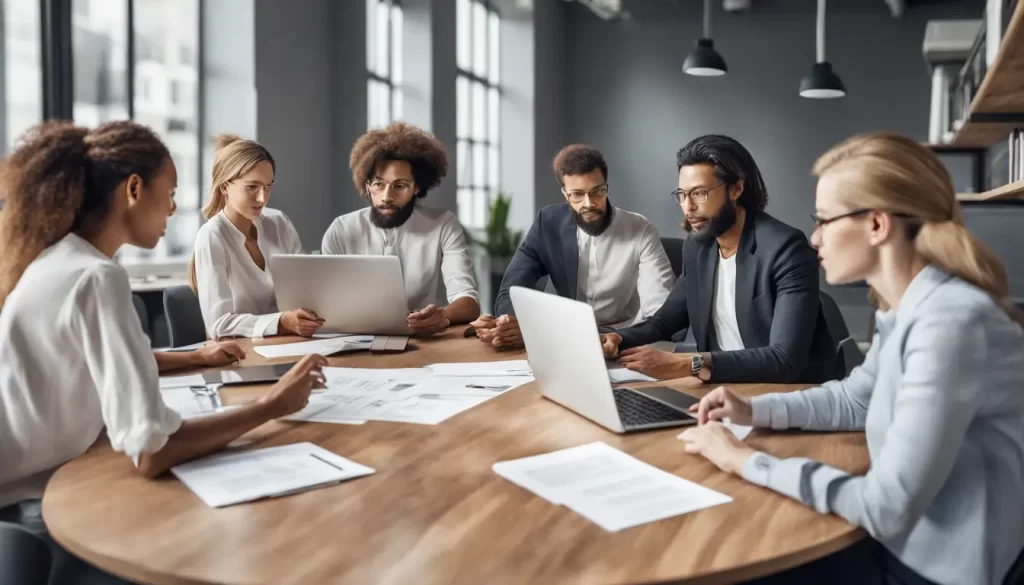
x: 182, y: 381
x: 231, y: 478
x: 318, y: 410
x: 607, y: 486
x: 620, y: 375
x: 502, y: 368
x: 325, y: 347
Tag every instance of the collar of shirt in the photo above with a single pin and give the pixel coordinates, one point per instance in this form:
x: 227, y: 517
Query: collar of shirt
x: 920, y: 287
x: 237, y: 233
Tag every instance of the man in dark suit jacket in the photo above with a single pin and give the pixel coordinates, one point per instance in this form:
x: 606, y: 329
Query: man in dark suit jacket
x: 749, y: 288
x: 608, y: 257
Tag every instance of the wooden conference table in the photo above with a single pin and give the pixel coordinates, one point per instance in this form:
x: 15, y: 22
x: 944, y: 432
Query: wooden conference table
x: 435, y: 512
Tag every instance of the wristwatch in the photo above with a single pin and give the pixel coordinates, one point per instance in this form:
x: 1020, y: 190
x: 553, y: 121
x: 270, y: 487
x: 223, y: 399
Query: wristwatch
x: 696, y: 364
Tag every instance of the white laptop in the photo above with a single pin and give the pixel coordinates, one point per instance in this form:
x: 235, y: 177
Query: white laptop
x: 564, y: 350
x: 353, y: 294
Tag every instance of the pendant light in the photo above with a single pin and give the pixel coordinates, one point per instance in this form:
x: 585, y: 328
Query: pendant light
x: 822, y: 83
x: 705, y: 61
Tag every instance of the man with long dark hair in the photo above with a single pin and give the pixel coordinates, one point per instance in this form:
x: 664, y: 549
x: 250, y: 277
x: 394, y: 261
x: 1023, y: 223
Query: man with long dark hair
x: 749, y: 288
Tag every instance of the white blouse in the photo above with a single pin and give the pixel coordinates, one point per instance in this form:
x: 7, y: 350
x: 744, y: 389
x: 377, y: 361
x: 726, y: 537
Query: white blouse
x: 430, y: 246
x: 73, y: 358
x: 236, y: 297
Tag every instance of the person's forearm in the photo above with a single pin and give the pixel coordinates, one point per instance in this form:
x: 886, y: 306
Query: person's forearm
x: 167, y: 361
x: 462, y: 310
x: 201, y: 436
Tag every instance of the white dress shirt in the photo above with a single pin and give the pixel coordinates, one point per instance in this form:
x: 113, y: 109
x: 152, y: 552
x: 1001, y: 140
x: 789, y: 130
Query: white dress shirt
x: 723, y: 312
x: 237, y: 298
x: 73, y: 359
x: 624, y: 273
x: 430, y: 247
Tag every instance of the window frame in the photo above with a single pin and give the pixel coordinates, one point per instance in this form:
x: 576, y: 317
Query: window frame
x: 393, y: 57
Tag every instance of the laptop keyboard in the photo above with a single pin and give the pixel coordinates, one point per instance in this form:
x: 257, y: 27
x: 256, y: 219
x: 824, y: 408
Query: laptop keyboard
x: 638, y: 410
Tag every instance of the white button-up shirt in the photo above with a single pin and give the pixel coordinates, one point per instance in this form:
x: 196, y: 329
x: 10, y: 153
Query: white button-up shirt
x: 73, y: 359
x: 624, y: 273
x: 430, y: 246
x: 235, y: 295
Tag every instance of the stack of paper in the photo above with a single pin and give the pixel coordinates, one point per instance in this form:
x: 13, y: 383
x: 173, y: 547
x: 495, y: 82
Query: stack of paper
x: 607, y: 486
x: 328, y: 346
x: 504, y: 368
x: 232, y: 478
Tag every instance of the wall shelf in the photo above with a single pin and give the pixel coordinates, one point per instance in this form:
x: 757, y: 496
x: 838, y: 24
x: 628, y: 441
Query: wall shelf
x: 1001, y: 93
x: 1013, y: 190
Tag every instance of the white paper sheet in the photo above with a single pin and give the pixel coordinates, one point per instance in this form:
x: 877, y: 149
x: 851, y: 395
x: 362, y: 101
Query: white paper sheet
x: 607, y: 486
x: 741, y: 431
x: 232, y: 478
x: 325, y: 347
x: 181, y: 381
x: 502, y: 368
x: 191, y: 404
x: 622, y: 375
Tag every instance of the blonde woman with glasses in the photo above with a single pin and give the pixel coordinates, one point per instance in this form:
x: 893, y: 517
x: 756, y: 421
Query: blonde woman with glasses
x: 229, y: 269
x: 940, y: 395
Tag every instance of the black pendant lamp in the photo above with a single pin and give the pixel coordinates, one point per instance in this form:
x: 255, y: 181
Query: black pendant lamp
x: 705, y: 61
x: 822, y: 83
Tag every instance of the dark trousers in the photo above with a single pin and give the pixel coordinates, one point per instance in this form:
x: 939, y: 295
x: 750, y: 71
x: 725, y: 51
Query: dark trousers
x: 864, y: 563
x: 66, y: 569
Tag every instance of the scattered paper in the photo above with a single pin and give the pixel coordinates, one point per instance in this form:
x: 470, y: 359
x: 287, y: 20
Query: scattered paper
x: 503, y: 368
x: 325, y: 347
x: 624, y: 375
x: 232, y: 478
x: 607, y: 486
x: 182, y: 381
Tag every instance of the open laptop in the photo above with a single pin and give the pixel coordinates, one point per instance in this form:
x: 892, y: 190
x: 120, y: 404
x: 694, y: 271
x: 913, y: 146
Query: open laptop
x: 352, y: 294
x: 564, y: 350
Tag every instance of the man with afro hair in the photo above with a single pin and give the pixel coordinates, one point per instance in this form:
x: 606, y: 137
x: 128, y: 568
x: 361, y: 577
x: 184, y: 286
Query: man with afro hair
x: 394, y: 168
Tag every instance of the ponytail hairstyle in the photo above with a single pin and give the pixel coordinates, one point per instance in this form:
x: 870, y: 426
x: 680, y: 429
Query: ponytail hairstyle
x: 61, y: 178
x: 233, y: 157
x: 895, y: 174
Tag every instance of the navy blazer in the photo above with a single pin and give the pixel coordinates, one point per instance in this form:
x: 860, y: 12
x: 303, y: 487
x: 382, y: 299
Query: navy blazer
x: 549, y: 249
x: 778, y: 308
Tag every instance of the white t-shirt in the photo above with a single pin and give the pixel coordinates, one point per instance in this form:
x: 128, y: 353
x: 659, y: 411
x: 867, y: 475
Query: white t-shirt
x: 727, y: 329
x: 73, y: 359
x: 236, y: 297
x: 624, y: 273
x: 430, y: 246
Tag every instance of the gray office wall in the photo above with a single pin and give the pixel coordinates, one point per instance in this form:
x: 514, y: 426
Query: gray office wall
x: 311, y: 105
x: 626, y: 94
x: 552, y: 58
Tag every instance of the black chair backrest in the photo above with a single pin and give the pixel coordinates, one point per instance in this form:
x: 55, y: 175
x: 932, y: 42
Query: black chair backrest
x: 140, y: 308
x: 833, y: 318
x: 184, y: 317
x: 674, y: 250
x: 24, y: 557
x: 1015, y: 576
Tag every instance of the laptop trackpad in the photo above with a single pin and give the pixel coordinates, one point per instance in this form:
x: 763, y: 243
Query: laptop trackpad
x: 668, y: 396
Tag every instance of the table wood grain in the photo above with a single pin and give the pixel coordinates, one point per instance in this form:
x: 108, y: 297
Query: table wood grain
x: 435, y: 512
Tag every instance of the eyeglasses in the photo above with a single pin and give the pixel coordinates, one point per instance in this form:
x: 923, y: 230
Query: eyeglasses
x: 698, y: 195
x: 377, y: 186
x: 820, y: 221
x: 577, y: 195
x: 255, y: 188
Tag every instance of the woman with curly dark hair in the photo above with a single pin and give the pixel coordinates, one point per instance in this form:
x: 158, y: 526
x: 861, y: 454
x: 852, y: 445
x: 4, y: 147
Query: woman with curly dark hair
x: 73, y: 356
x: 393, y: 169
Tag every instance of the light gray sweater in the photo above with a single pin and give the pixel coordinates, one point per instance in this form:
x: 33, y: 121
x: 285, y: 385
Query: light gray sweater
x: 940, y: 397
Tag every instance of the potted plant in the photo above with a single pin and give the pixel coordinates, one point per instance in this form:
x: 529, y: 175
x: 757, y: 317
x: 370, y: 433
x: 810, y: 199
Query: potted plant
x: 498, y: 240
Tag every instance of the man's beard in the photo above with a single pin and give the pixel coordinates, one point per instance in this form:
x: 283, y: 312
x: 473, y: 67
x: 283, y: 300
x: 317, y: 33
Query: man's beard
x: 392, y: 221
x: 717, y: 225
x: 593, y: 228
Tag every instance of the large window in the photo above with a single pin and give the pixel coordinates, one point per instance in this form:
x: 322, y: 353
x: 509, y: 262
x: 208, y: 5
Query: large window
x: 383, y: 62
x: 21, y: 70
x: 153, y: 79
x: 476, y: 102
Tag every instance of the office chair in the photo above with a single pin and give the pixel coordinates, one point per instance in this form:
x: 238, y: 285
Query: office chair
x: 24, y: 557
x: 674, y: 250
x: 848, y: 354
x: 184, y: 317
x: 140, y: 309
x: 1015, y: 576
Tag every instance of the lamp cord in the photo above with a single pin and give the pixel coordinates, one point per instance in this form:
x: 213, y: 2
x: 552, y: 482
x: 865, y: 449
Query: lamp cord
x: 821, y: 31
x: 707, y: 19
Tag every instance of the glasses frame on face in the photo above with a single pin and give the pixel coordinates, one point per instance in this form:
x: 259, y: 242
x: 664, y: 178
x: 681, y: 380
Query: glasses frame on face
x: 578, y: 195
x: 823, y: 221
x: 254, y: 189
x: 698, y: 195
x: 385, y: 184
